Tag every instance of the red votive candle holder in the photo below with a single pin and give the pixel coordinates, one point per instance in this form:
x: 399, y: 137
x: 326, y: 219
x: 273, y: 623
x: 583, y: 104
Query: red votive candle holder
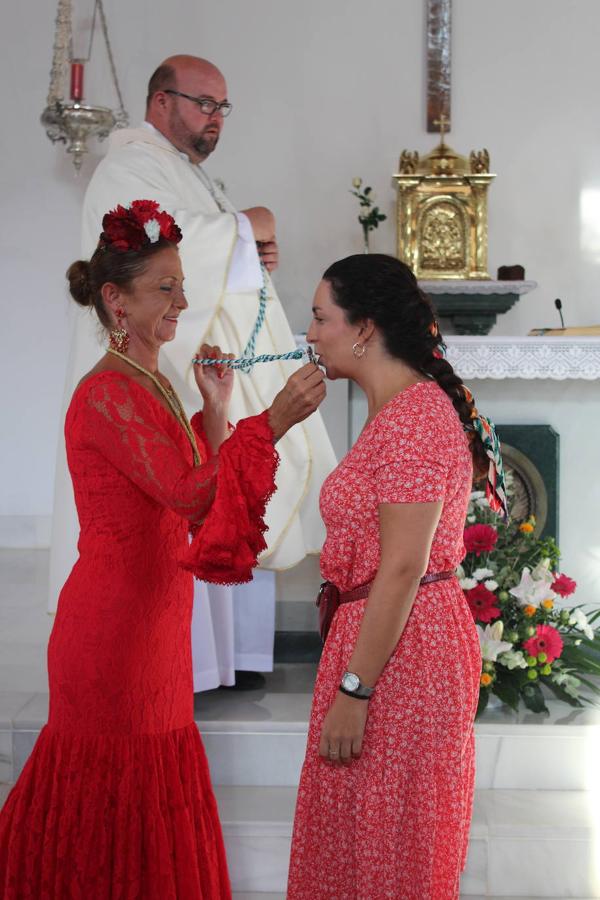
x: 76, y: 81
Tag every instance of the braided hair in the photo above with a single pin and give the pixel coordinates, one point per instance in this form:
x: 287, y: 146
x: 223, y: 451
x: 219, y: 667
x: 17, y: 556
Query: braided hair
x: 384, y: 289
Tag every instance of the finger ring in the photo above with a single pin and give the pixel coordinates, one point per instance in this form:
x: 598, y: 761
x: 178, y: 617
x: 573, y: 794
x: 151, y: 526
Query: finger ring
x: 333, y: 753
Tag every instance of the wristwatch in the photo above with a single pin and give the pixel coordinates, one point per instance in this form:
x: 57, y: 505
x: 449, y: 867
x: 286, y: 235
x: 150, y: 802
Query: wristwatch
x: 352, y: 685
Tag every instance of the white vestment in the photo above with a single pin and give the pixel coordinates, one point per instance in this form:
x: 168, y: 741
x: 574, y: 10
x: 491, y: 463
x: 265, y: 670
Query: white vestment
x: 142, y: 164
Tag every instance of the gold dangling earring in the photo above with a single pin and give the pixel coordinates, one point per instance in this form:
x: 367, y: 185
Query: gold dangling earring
x: 359, y: 350
x: 118, y: 339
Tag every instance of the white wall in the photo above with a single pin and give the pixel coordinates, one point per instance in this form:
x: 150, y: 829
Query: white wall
x: 323, y: 90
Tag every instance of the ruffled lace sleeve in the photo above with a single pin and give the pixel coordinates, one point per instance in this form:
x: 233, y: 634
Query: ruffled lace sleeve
x: 225, y: 547
x: 111, y: 416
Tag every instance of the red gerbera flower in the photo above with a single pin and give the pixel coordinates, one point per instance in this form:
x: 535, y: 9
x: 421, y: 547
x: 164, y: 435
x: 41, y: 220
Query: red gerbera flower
x: 482, y: 604
x: 480, y: 539
x: 546, y: 640
x: 563, y: 585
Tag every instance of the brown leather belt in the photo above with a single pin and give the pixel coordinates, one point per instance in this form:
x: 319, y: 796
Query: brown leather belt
x: 330, y: 597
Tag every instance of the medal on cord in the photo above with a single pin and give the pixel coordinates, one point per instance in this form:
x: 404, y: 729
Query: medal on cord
x: 247, y: 360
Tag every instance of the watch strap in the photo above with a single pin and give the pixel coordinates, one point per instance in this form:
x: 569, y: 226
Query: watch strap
x: 357, y: 694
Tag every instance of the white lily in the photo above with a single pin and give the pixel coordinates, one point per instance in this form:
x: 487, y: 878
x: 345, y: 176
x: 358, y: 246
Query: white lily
x: 490, y: 641
x: 579, y: 620
x: 513, y: 659
x: 531, y: 591
x: 480, y: 574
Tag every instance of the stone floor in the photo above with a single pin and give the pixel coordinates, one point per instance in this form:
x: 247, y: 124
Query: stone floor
x: 538, y: 779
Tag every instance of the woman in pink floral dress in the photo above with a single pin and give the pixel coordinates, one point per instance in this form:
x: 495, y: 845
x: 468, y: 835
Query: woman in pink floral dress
x: 385, y: 797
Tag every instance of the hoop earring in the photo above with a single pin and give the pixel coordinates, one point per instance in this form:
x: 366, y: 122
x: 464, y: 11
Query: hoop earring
x: 359, y: 350
x: 118, y: 339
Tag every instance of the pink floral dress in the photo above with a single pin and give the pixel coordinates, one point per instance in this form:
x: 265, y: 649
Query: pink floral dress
x: 395, y: 823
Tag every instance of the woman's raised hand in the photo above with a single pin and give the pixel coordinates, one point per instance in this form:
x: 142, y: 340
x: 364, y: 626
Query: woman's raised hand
x: 215, y: 382
x: 304, y: 391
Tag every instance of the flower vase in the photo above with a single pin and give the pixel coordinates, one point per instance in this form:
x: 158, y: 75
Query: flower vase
x: 365, y: 240
x: 494, y: 702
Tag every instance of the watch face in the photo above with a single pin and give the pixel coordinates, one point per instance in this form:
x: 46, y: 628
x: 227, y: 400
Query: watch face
x: 351, y: 682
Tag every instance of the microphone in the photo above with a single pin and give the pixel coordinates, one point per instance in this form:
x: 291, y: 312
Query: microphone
x: 558, y: 305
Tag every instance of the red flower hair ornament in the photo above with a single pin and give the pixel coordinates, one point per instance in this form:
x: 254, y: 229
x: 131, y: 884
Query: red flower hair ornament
x: 138, y: 225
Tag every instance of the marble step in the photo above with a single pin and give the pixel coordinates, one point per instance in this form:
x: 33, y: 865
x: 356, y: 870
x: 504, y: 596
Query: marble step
x: 525, y: 844
x: 259, y: 737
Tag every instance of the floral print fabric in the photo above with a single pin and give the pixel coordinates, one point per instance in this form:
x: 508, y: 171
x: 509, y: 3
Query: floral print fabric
x: 395, y: 822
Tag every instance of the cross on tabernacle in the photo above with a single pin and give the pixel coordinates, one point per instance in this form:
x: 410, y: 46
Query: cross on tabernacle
x: 442, y: 122
x: 439, y: 14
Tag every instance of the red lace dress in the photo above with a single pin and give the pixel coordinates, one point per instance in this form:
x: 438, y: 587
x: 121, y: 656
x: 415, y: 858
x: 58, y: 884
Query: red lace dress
x: 394, y: 823
x: 115, y: 800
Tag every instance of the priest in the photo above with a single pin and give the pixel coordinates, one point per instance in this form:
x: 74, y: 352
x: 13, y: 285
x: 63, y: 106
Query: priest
x: 221, y: 253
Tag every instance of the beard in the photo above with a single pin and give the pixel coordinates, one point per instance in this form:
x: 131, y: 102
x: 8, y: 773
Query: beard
x: 203, y: 143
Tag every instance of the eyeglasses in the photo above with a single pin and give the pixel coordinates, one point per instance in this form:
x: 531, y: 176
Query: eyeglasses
x: 208, y: 107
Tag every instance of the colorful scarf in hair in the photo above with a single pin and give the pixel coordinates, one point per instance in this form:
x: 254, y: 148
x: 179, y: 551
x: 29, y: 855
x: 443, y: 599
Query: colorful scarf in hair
x: 495, y: 488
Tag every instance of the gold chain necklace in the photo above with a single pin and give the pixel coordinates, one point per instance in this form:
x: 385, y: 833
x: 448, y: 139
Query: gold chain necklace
x: 171, y: 398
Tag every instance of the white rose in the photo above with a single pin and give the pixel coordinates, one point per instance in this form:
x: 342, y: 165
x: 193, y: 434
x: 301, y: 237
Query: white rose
x: 513, y: 659
x: 467, y: 584
x: 480, y: 574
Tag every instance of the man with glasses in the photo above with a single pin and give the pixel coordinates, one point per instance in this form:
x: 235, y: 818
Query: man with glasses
x: 221, y: 254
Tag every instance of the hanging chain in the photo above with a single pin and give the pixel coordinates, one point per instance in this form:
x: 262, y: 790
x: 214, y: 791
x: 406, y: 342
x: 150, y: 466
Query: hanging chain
x: 92, y: 31
x: 122, y: 119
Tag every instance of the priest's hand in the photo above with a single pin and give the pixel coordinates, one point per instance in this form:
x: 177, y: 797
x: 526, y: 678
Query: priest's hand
x: 269, y: 254
x: 304, y: 391
x: 262, y: 221
x: 343, y: 729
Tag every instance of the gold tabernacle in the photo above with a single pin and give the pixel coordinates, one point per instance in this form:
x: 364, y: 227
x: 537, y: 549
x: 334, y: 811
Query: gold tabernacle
x: 442, y: 212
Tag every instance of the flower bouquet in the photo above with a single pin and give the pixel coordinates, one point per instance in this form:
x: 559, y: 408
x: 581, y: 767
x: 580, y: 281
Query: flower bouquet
x: 511, y: 582
x: 369, y: 215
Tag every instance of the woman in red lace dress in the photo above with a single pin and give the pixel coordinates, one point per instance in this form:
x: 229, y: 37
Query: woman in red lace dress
x: 115, y: 801
x: 384, y: 802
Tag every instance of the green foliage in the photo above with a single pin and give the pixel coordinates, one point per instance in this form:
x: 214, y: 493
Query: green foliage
x: 369, y: 215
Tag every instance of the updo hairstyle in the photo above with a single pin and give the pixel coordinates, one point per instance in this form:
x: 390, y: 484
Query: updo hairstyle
x: 108, y: 265
x: 384, y: 289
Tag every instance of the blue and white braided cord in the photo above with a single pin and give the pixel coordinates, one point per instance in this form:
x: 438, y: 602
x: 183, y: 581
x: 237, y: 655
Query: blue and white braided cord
x: 248, y: 360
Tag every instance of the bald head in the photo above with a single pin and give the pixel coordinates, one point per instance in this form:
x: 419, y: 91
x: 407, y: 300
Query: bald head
x: 178, y: 68
x: 181, y: 120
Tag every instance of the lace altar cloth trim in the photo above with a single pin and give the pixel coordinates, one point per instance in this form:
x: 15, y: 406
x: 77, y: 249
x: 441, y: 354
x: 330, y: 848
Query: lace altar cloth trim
x: 470, y: 286
x: 555, y: 358
x: 520, y: 357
